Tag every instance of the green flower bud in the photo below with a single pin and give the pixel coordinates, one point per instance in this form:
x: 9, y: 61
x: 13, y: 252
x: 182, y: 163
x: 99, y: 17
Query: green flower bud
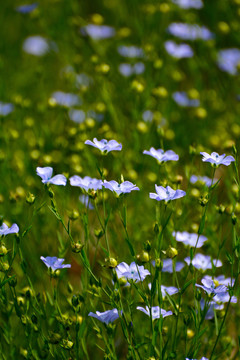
x: 77, y: 247
x: 30, y: 198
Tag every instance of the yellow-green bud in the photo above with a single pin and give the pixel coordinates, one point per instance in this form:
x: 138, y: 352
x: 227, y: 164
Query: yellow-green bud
x: 30, y: 198
x: 77, y: 247
x: 171, y: 252
x: 3, y: 250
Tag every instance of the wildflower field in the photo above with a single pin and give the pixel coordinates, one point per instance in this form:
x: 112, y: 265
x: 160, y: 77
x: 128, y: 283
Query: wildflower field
x: 119, y: 187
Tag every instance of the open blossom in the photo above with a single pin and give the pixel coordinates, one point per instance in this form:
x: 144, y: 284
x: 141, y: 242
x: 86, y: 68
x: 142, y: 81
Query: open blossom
x: 228, y: 60
x: 156, y: 312
x: 131, y: 272
x: 211, y: 288
x: 217, y: 159
x: 188, y: 4
x: 105, y: 146
x: 128, y: 69
x: 122, y: 188
x: 85, y: 200
x: 86, y: 183
x: 36, y: 45
x: 45, y: 174
x: 189, y: 32
x: 182, y: 99
x: 166, y: 193
x: 190, y: 239
x: 162, y: 156
x: 66, y: 99
x: 204, y: 179
x: 168, y: 265
x: 178, y: 51
x: 98, y: 32
x: 54, y: 263
x: 170, y: 290
x: 212, y: 306
x: 5, y: 230
x: 6, y: 108
x: 26, y: 9
x: 130, y: 51
x: 219, y: 292
x: 221, y: 280
x: 203, y: 262
x: 105, y: 317
x: 203, y: 358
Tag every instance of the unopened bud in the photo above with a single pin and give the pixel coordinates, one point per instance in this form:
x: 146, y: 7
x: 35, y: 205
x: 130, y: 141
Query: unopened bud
x: 73, y: 215
x: 171, y: 252
x: 98, y: 233
x: 30, y: 198
x: 77, y: 247
x: 3, y: 250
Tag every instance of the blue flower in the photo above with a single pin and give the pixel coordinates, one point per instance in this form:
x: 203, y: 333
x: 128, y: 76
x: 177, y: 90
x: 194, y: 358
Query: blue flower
x: 168, y: 266
x: 217, y: 159
x: 189, y: 32
x: 5, y: 230
x: 228, y: 60
x: 45, y: 174
x: 166, y: 194
x: 86, y: 183
x: 128, y: 70
x: 211, y: 287
x: 66, y: 99
x: 98, y: 32
x: 190, y: 239
x: 212, y: 306
x: 122, y: 188
x: 181, y: 98
x: 26, y: 9
x: 54, y: 263
x: 203, y: 358
x: 162, y: 156
x: 178, y: 51
x: 130, y: 51
x: 131, y: 272
x: 36, y: 45
x: 156, y: 312
x: 203, y: 262
x: 221, y: 280
x: 147, y: 116
x: 6, y: 108
x: 170, y: 290
x: 78, y: 116
x: 204, y: 179
x: 107, y: 316
x: 105, y: 146
x: 188, y: 4
x: 86, y: 202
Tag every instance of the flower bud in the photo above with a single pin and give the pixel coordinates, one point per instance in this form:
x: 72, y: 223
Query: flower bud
x: 190, y: 333
x: 198, y: 295
x: 3, y: 250
x: 30, y: 198
x: 158, y: 264
x: 73, y: 215
x: 4, y: 266
x: 75, y: 301
x: 77, y: 247
x: 171, y: 252
x: 13, y: 281
x: 234, y: 219
x: 147, y: 246
x: 98, y: 233
x: 156, y: 228
x: 67, y: 344
x: 54, y: 338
